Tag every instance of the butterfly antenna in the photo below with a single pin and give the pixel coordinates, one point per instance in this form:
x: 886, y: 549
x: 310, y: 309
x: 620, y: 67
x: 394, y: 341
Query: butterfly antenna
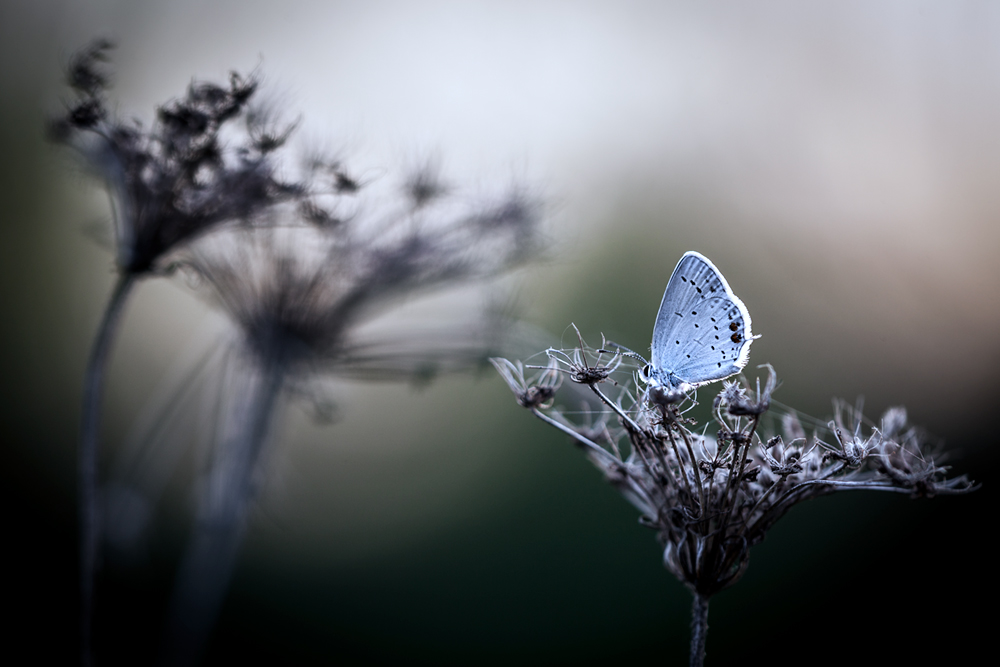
x: 624, y: 351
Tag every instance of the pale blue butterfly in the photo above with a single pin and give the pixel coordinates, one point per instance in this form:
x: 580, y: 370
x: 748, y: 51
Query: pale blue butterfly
x: 702, y: 332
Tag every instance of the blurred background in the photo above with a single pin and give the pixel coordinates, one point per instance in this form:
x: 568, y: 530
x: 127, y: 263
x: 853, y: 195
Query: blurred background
x: 838, y: 161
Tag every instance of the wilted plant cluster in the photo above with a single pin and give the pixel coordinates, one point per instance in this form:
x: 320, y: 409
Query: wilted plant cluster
x: 299, y: 254
x: 711, y: 491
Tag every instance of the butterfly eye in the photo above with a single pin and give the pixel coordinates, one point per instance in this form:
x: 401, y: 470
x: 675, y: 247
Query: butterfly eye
x: 645, y: 373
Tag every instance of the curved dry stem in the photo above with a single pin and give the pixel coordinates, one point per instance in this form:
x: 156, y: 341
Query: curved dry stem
x: 211, y: 556
x: 90, y: 424
x: 589, y: 444
x: 614, y: 406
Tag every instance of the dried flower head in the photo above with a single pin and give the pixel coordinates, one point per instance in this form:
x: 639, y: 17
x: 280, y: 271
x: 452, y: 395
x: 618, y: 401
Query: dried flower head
x: 309, y: 262
x: 205, y: 161
x: 298, y: 293
x: 579, y: 368
x: 711, y: 498
x: 537, y: 392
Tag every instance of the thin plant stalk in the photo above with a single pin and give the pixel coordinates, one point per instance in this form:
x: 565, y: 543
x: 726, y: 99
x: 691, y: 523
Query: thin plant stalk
x: 90, y: 515
x: 210, y: 559
x: 699, y: 629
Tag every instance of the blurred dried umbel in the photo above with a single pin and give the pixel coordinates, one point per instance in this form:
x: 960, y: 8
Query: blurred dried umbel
x: 710, y: 498
x: 298, y: 265
x: 183, y: 176
x: 298, y: 294
x: 168, y: 186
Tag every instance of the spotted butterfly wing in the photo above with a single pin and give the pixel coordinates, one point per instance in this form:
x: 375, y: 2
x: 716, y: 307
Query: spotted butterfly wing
x: 702, y: 331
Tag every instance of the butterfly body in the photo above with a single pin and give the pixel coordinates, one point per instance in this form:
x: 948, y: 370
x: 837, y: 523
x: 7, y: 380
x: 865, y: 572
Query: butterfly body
x: 702, y: 332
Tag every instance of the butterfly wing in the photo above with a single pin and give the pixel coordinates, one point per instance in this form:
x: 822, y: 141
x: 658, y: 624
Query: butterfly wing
x: 702, y: 331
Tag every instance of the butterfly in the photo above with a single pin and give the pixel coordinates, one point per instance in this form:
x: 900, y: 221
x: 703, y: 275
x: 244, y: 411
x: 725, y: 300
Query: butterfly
x: 702, y: 331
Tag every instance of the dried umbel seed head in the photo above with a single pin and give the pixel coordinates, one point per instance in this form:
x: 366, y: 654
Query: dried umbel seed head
x: 577, y: 366
x: 711, y: 499
x: 178, y: 179
x: 740, y: 402
x: 536, y: 392
x: 299, y: 265
x: 661, y: 397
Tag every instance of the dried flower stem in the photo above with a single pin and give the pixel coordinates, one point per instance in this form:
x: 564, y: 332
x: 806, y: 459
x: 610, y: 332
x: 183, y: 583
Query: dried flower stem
x: 699, y: 629
x: 229, y: 491
x: 592, y: 447
x: 90, y: 516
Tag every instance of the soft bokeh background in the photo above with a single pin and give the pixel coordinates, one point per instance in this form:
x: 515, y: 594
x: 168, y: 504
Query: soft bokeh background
x: 839, y: 161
